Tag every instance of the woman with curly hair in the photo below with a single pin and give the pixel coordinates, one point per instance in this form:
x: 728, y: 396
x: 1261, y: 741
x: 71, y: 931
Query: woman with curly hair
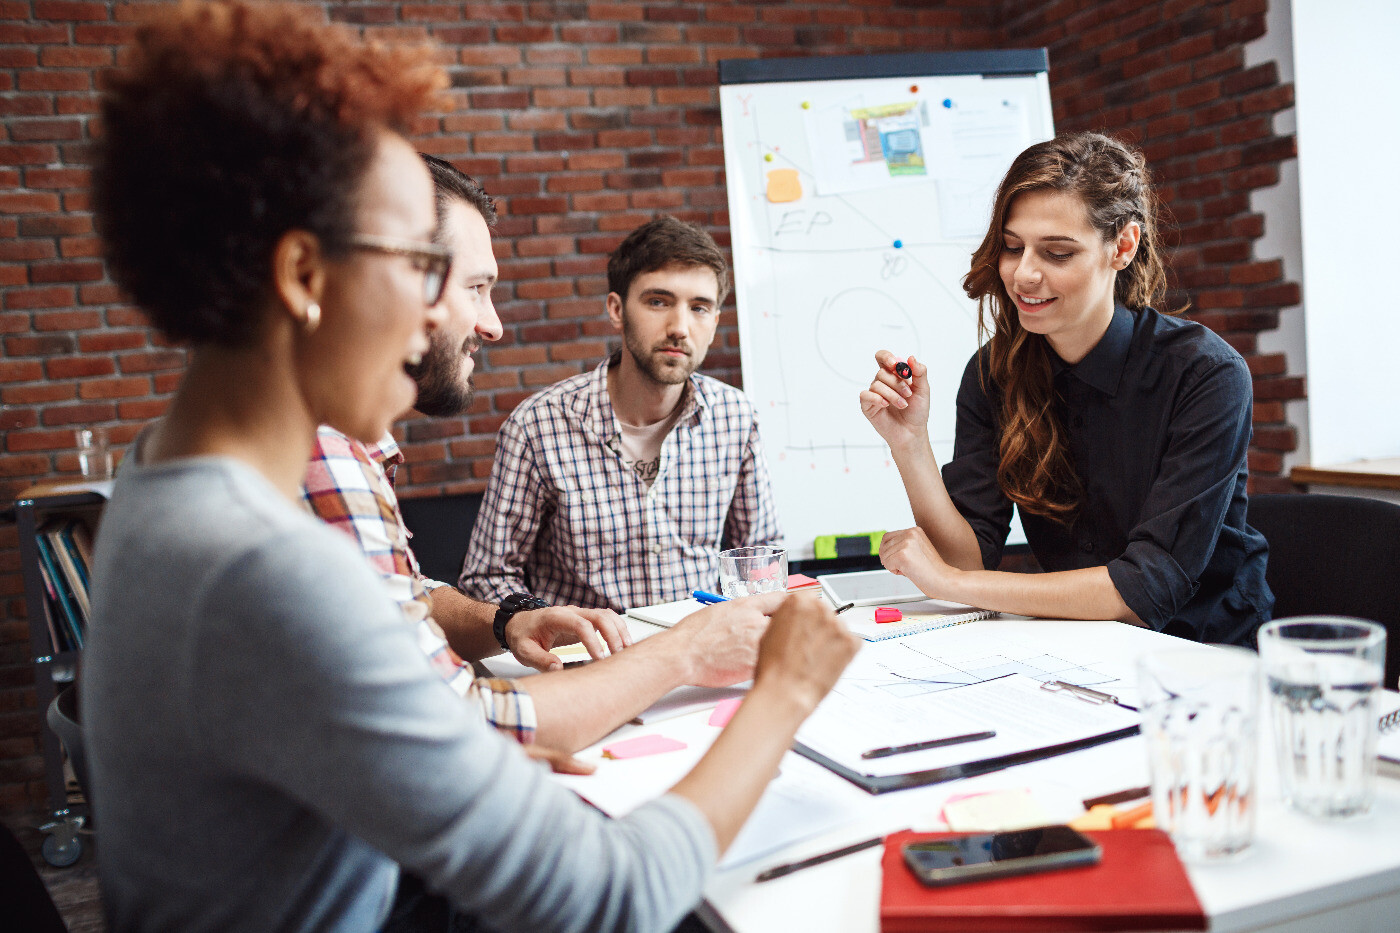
x: 1119, y: 433
x: 266, y: 740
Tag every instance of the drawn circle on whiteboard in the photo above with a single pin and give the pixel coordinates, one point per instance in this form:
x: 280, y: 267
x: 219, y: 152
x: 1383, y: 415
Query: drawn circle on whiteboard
x: 854, y: 323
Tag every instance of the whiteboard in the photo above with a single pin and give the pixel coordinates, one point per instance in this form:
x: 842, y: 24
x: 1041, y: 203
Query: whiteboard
x: 854, y: 205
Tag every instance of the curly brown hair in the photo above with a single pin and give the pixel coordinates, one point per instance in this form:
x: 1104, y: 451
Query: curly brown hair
x: 230, y: 124
x: 1112, y: 181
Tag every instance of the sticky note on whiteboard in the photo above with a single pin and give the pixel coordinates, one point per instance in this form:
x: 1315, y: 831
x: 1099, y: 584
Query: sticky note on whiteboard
x: 642, y: 746
x: 784, y: 185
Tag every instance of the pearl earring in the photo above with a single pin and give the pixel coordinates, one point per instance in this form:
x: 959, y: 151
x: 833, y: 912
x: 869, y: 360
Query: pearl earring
x: 313, y: 317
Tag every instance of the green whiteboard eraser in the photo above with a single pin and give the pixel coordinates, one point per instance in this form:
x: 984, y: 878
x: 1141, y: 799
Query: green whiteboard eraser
x: 863, y: 544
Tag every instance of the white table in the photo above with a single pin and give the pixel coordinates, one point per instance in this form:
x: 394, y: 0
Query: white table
x: 1300, y: 874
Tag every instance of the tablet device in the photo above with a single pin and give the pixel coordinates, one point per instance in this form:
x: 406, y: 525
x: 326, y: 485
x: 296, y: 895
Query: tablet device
x: 869, y: 588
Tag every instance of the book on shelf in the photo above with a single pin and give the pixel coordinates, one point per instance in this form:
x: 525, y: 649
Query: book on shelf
x: 74, y: 571
x: 50, y: 610
x: 66, y: 578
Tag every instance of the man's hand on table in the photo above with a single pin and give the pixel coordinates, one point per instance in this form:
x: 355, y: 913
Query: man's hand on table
x: 531, y: 634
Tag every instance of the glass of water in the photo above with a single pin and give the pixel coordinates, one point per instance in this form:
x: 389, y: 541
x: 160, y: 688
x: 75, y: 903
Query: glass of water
x: 748, y: 571
x: 1200, y: 713
x: 1324, y: 673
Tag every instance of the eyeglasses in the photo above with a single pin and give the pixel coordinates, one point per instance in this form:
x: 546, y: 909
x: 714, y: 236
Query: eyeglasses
x: 434, y: 261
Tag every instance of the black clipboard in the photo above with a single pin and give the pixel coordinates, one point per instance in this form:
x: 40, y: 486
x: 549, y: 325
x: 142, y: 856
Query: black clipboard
x: 884, y: 783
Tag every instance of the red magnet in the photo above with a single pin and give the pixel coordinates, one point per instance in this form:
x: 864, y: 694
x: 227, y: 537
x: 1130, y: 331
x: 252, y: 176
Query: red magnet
x: 885, y: 614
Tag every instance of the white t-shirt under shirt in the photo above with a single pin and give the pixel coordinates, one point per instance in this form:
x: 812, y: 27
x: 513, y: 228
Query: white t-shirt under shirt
x: 641, y: 444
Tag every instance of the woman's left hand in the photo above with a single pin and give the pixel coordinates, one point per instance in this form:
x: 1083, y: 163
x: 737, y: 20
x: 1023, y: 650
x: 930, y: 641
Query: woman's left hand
x: 910, y: 553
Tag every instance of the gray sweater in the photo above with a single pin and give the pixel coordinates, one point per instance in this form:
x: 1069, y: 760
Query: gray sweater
x: 266, y: 741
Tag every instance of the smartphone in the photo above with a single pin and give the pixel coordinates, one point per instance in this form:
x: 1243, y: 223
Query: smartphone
x: 978, y: 856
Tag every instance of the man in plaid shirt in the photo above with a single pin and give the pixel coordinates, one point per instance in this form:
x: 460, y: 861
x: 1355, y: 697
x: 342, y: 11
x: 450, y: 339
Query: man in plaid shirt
x: 350, y: 485
x: 618, y: 487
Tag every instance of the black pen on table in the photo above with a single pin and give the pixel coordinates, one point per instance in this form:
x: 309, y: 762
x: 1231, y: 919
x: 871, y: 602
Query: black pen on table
x: 779, y: 871
x: 925, y: 746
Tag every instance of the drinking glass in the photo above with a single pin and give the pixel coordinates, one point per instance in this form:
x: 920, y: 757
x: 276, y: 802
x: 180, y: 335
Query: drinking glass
x: 94, y: 453
x: 1199, y: 716
x: 1324, y: 673
x: 747, y: 571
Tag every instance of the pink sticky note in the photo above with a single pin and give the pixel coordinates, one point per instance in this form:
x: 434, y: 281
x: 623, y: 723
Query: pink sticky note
x: 641, y: 746
x: 886, y: 614
x: 798, y: 580
x: 725, y: 711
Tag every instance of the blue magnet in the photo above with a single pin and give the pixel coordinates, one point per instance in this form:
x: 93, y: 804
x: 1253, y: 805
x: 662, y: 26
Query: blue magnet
x: 899, y: 244
x: 948, y: 102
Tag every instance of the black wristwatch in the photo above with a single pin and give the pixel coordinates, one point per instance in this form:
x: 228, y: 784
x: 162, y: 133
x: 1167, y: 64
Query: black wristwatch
x: 515, y: 602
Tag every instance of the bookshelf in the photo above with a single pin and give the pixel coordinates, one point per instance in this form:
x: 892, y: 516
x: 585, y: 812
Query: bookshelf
x: 36, y: 509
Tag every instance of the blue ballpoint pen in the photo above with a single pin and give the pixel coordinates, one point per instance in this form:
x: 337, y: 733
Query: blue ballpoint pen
x: 701, y: 596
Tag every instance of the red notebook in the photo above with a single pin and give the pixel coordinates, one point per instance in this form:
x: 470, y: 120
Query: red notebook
x: 1139, y: 885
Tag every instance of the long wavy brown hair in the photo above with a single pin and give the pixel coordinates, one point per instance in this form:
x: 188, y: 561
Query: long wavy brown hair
x: 1112, y: 181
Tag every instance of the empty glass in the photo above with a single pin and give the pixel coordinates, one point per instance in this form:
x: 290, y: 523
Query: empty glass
x: 747, y: 571
x: 94, y: 453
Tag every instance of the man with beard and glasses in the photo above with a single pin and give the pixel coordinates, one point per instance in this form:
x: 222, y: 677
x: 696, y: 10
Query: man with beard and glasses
x: 618, y: 488
x: 350, y: 485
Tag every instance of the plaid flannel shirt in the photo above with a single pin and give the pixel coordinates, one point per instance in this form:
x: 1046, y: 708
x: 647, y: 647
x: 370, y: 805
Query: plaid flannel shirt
x: 350, y: 486
x: 566, y: 519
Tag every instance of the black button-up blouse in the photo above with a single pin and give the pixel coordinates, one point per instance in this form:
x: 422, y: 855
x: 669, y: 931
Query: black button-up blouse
x: 1158, y: 418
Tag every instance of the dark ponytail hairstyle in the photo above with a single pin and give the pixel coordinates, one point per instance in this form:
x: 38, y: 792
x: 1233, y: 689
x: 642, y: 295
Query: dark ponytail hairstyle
x: 1112, y: 181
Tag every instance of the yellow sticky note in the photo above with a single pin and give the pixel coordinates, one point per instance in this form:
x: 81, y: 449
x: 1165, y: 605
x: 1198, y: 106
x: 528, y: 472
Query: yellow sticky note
x: 994, y: 811
x: 574, y: 652
x: 784, y: 185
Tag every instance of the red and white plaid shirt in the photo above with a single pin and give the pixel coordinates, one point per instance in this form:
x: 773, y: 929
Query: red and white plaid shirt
x: 565, y: 518
x: 350, y: 486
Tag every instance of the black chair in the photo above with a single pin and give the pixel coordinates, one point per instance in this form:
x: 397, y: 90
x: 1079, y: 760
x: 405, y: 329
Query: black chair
x: 24, y: 901
x: 442, y: 528
x: 1334, y: 555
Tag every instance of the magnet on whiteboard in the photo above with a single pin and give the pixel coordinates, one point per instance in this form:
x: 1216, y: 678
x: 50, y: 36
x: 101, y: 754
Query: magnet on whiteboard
x: 806, y: 105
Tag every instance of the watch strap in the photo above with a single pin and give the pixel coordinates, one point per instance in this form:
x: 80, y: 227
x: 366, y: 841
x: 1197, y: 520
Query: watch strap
x: 512, y: 604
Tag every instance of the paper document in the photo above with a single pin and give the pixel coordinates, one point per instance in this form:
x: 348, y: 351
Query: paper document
x: 860, y: 716
x: 803, y: 800
x: 667, y: 615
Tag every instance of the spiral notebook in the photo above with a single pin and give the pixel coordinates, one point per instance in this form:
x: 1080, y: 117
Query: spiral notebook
x: 922, y: 616
x: 1389, y: 745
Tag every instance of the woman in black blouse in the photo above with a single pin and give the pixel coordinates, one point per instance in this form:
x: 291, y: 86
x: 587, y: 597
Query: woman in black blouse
x: 1119, y: 433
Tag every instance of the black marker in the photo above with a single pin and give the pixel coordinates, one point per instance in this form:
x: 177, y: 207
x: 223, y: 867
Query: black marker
x: 903, y: 370
x: 822, y: 859
x: 925, y: 746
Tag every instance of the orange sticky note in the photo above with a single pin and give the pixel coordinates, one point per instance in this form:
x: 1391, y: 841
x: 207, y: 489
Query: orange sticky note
x: 784, y: 185
x: 725, y: 711
x: 798, y: 580
x: 642, y: 746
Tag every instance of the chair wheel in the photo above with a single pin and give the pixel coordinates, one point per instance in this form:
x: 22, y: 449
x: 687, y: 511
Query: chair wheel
x: 61, y: 854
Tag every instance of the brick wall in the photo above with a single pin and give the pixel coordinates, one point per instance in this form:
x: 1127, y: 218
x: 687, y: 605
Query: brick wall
x: 585, y: 119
